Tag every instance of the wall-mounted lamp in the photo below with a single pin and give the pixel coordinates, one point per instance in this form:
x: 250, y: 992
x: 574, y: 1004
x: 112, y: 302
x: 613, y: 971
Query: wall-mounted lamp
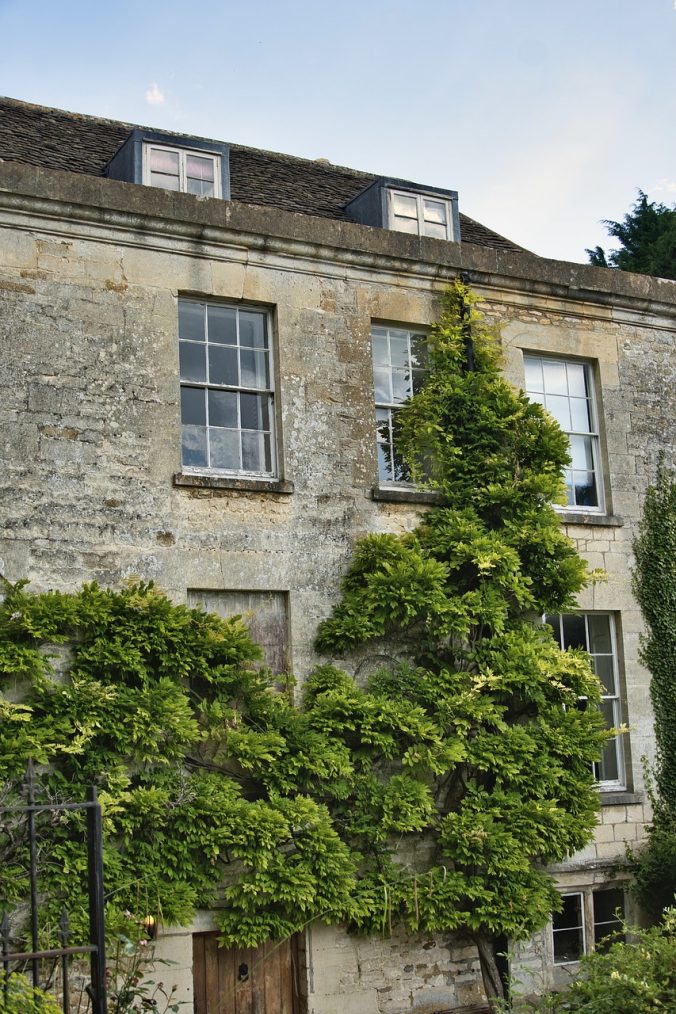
x: 150, y: 927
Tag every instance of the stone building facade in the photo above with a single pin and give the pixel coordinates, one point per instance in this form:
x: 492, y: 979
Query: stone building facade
x: 262, y: 516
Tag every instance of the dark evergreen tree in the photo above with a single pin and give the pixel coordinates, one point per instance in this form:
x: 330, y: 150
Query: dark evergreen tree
x: 648, y: 241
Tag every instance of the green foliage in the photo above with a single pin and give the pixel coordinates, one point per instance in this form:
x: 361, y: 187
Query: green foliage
x: 654, y: 866
x: 638, y: 977
x: 655, y: 588
x: 22, y: 998
x: 485, y: 717
x: 204, y: 771
x: 648, y: 241
x: 433, y: 795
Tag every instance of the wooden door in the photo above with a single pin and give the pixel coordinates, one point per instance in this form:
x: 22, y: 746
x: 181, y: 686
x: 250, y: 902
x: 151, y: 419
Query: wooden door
x: 231, y: 980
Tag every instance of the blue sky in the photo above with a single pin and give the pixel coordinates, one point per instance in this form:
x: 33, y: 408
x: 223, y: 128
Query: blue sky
x: 546, y: 117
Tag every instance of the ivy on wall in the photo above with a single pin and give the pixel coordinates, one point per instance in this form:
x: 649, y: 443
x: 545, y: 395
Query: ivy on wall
x: 204, y: 771
x: 498, y: 773
x: 655, y: 589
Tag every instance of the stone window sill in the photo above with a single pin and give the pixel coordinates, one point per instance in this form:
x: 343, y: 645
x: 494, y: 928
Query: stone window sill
x: 246, y: 485
x: 603, y: 520
x: 397, y: 494
x: 621, y: 798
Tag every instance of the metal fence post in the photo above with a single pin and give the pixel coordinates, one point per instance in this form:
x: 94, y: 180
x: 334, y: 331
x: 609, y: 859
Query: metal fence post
x: 97, y: 929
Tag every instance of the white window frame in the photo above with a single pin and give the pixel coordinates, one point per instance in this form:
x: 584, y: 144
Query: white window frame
x: 593, y: 433
x: 605, y: 785
x: 420, y: 199
x: 207, y: 385
x: 588, y: 916
x: 567, y: 929
x: 183, y: 154
x: 387, y: 408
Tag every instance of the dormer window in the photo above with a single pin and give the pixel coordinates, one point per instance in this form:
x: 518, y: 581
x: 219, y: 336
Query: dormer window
x: 186, y: 165
x: 420, y: 215
x: 180, y: 169
x: 407, y: 207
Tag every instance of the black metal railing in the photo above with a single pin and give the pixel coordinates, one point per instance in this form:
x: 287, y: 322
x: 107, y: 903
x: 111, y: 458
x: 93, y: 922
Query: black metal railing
x: 96, y: 949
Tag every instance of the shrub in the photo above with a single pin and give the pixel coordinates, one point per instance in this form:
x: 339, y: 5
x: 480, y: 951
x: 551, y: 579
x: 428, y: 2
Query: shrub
x: 630, y: 978
x: 17, y: 996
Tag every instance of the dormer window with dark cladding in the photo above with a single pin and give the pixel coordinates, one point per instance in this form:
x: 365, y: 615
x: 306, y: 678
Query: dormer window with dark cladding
x: 189, y: 172
x: 182, y: 164
x: 407, y: 207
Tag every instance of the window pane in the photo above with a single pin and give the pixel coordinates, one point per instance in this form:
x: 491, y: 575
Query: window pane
x: 434, y: 230
x: 609, y: 712
x: 533, y: 370
x: 580, y: 415
x: 385, y: 469
x: 201, y: 188
x: 581, y: 452
x: 405, y: 205
x: 574, y: 633
x: 401, y: 385
x: 577, y: 386
x: 599, y: 634
x: 383, y: 391
x: 608, y: 769
x: 584, y: 484
x: 199, y: 168
x: 192, y: 361
x: 418, y: 379
x: 435, y: 211
x: 380, y: 353
x: 194, y: 446
x: 162, y: 161
x: 560, y: 409
x: 191, y: 320
x: 568, y: 946
x: 418, y: 350
x: 401, y: 472
x: 570, y: 491
x: 222, y: 325
x: 398, y: 348
x: 254, y: 413
x: 224, y: 446
x: 253, y: 451
x: 252, y: 332
x: 607, y: 904
x: 254, y: 368
x: 223, y: 409
x: 605, y: 670
x: 223, y: 365
x: 164, y: 182
x: 409, y: 225
x: 193, y: 409
x: 555, y: 377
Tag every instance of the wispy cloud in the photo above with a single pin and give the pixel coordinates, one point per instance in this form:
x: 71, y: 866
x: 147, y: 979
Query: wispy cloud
x: 663, y: 186
x: 155, y: 95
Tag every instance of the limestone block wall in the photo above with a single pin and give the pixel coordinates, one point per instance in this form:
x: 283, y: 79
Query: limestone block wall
x: 90, y: 274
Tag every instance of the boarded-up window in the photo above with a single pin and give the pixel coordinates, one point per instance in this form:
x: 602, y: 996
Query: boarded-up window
x: 265, y: 614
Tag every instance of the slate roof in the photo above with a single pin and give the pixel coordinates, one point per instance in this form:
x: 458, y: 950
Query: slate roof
x: 56, y: 139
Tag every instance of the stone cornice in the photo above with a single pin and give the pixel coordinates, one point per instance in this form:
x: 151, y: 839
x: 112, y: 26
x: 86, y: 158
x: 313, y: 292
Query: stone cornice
x: 149, y: 213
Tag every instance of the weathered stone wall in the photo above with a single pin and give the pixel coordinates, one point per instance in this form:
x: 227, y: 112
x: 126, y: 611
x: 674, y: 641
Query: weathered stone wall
x: 90, y: 273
